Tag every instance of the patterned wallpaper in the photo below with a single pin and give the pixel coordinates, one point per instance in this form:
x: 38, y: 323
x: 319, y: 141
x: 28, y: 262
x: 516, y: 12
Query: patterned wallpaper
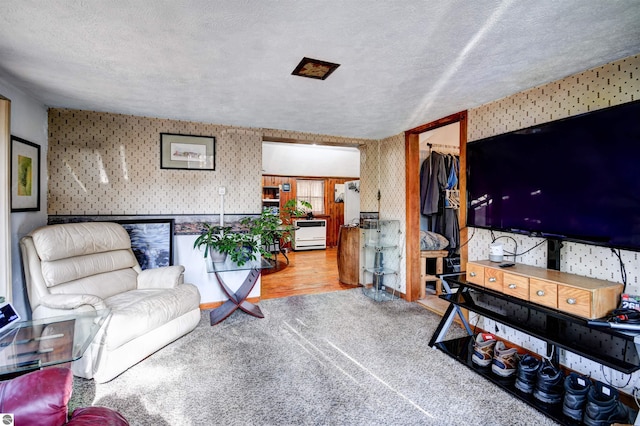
x: 393, y: 195
x: 611, y: 84
x: 369, y: 176
x: 109, y: 164
x: 608, y: 85
x: 382, y: 166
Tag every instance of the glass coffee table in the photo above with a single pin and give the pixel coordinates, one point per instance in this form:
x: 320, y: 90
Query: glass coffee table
x: 32, y: 345
x: 237, y: 299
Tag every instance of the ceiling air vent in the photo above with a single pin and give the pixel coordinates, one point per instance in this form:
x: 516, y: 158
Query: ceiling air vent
x: 314, y: 68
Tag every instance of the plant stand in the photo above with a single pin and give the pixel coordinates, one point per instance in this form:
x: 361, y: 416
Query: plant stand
x: 238, y: 299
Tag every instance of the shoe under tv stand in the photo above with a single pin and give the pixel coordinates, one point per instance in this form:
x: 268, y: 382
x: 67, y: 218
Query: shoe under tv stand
x: 612, y: 348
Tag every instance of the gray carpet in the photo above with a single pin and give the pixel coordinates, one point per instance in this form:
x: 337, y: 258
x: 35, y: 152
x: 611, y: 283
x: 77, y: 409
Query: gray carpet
x: 329, y: 359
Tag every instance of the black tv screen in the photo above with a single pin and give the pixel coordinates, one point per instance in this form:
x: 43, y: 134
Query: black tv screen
x: 576, y: 179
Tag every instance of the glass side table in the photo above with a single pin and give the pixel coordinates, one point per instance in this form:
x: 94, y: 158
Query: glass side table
x: 237, y: 299
x: 32, y: 345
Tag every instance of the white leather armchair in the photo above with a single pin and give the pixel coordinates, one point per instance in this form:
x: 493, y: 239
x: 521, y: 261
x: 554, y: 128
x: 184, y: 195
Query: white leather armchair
x: 77, y: 267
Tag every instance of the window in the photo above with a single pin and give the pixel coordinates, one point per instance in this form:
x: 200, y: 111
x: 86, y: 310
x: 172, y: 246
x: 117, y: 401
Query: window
x: 311, y: 191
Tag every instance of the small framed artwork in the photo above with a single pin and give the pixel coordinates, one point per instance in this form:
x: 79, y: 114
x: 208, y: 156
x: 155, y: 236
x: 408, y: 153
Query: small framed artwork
x: 151, y: 241
x: 338, y: 193
x: 187, y: 152
x: 25, y: 175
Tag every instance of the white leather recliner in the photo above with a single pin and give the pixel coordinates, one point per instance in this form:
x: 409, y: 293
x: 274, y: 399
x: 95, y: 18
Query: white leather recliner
x: 75, y: 267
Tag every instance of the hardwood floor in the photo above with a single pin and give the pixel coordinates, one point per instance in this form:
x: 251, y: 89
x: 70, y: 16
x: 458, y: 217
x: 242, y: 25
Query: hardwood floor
x: 308, y: 272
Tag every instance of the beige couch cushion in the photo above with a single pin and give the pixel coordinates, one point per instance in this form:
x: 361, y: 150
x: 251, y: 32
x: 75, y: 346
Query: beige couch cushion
x: 72, y: 263
x: 102, y: 285
x: 74, y: 268
x: 61, y: 241
x: 137, y: 312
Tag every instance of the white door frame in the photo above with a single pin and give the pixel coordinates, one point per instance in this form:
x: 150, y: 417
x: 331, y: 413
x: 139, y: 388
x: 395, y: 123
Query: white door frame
x: 5, y: 196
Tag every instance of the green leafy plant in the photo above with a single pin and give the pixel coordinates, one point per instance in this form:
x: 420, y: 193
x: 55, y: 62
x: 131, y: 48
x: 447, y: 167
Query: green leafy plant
x: 240, y: 246
x: 258, y: 234
x: 211, y: 237
x: 294, y: 209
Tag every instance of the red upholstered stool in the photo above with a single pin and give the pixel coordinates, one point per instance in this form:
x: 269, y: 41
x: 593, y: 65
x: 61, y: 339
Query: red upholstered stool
x: 41, y: 398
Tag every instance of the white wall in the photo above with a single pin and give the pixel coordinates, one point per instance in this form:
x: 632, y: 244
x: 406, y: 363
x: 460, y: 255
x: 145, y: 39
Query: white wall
x: 443, y: 137
x: 195, y: 272
x: 309, y: 160
x: 28, y: 121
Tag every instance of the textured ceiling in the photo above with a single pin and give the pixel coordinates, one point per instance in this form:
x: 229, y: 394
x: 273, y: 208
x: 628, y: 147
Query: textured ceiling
x: 403, y: 62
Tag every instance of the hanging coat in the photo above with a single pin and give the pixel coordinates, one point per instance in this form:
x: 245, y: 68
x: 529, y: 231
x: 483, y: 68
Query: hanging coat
x: 433, y: 180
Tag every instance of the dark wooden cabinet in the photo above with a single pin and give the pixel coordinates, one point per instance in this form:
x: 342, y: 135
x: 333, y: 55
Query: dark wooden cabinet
x: 349, y: 254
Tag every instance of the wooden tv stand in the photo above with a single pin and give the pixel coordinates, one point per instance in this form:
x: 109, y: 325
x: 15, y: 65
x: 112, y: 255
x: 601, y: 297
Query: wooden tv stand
x: 574, y: 294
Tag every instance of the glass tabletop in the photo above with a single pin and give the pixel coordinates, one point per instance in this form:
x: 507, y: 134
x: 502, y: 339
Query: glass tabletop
x: 228, y: 265
x: 50, y: 341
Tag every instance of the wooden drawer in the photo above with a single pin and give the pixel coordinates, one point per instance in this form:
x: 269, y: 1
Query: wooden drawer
x: 577, y: 295
x: 575, y: 301
x: 475, y: 274
x: 543, y: 293
x: 493, y: 279
x: 588, y: 302
x: 516, y: 286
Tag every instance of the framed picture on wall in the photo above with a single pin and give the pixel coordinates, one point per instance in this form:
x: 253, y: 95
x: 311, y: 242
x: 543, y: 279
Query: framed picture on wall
x: 338, y: 193
x: 187, y: 152
x: 151, y: 241
x: 25, y: 175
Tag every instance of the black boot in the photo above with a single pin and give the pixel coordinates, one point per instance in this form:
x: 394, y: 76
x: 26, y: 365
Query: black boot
x: 603, y: 407
x: 576, y: 388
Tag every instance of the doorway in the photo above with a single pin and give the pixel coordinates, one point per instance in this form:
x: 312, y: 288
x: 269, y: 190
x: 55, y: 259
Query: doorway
x: 412, y: 155
x: 287, y: 163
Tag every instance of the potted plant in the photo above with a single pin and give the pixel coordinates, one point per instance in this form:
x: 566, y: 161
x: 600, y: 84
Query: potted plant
x: 273, y: 228
x: 211, y: 238
x: 223, y: 241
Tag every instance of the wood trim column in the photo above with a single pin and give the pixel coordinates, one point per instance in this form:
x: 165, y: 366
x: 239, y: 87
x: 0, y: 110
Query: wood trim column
x: 412, y: 242
x: 5, y: 194
x: 462, y: 185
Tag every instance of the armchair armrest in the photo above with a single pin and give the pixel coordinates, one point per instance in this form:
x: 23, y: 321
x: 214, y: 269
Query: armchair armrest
x: 72, y: 301
x: 163, y: 277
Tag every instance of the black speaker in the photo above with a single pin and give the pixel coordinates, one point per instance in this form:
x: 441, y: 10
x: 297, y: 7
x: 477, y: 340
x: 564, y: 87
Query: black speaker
x: 553, y: 253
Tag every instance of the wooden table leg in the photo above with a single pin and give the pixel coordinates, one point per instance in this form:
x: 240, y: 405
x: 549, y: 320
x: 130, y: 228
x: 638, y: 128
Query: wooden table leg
x: 284, y: 253
x: 439, y: 270
x: 425, y: 277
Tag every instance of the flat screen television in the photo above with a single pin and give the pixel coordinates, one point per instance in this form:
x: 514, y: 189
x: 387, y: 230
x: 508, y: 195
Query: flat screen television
x: 574, y: 179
